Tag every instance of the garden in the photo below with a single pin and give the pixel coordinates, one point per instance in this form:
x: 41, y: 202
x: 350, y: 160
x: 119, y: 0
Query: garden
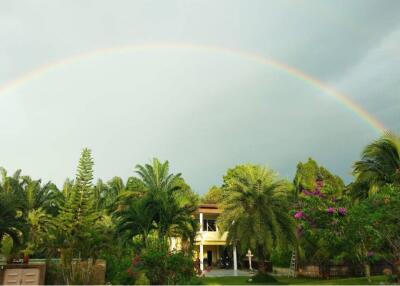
x: 315, y: 219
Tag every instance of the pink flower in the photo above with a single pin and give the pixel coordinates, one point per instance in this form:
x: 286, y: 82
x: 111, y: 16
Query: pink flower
x: 298, y: 215
x: 330, y: 210
x: 342, y: 211
x: 370, y: 253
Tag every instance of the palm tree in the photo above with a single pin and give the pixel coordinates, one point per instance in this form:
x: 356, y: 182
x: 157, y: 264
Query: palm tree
x: 255, y: 211
x: 38, y: 195
x: 167, y: 193
x: 135, y: 218
x: 379, y: 164
x: 12, y: 219
x: 41, y: 227
x: 107, y: 194
x: 12, y: 222
x: 11, y: 184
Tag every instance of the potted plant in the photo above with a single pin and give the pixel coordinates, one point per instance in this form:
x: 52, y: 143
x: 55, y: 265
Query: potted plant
x: 26, y: 254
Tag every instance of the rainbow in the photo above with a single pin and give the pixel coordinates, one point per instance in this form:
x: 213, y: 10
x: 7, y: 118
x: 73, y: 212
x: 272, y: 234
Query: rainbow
x: 341, y: 98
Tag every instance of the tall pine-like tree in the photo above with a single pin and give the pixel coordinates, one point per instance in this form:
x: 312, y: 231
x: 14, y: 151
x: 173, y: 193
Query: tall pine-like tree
x: 77, y: 229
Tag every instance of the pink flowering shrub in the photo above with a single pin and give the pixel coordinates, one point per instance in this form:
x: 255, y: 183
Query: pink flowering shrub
x: 319, y: 213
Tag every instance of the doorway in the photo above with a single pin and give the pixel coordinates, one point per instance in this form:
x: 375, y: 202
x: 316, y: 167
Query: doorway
x: 209, y: 257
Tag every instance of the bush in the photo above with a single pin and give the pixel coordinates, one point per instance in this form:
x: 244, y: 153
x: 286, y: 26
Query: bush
x: 117, y: 267
x: 162, y: 266
x: 281, y: 257
x: 53, y: 273
x: 154, y: 264
x: 142, y: 279
x: 180, y: 268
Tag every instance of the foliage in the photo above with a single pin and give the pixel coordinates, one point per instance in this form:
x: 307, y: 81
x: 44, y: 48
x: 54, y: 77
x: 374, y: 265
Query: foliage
x: 118, y: 259
x: 12, y: 221
x: 167, y: 195
x: 379, y: 164
x: 255, y: 213
x: 307, y: 173
x: 320, y: 211
x: 165, y: 207
x: 135, y: 219
x: 40, y: 196
x: 142, y: 279
x: 41, y: 225
x: 281, y: 256
x: 162, y: 266
x: 374, y: 228
x: 81, y: 231
x: 214, y: 195
x: 83, y: 221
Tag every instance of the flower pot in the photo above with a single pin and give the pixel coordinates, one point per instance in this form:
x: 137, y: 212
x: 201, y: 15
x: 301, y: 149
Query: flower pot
x: 26, y: 259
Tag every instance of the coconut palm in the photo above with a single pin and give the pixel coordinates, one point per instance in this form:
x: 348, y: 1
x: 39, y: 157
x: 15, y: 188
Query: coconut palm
x: 255, y: 211
x: 379, y: 164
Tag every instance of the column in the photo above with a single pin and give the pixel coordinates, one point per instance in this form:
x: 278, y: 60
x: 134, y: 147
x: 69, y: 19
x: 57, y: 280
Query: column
x: 201, y: 222
x: 201, y: 257
x: 234, y: 260
x: 201, y: 244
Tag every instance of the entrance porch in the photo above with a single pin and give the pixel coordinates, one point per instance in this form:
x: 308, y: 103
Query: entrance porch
x: 216, y: 256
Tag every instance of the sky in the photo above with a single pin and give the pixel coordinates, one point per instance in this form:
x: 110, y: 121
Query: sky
x: 203, y: 109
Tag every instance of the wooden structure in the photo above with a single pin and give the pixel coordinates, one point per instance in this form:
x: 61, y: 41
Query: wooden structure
x: 23, y: 274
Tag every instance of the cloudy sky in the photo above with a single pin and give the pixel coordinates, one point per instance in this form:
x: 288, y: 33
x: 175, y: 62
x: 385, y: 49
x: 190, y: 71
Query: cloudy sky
x: 203, y: 109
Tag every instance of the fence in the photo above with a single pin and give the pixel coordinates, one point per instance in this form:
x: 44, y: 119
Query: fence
x: 342, y: 270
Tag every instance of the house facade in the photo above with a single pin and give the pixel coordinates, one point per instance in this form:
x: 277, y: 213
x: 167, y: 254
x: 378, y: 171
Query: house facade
x: 210, y: 243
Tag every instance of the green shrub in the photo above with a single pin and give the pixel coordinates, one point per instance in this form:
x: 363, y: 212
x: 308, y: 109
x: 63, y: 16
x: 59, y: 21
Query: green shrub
x: 281, y: 257
x: 142, y: 279
x: 154, y: 264
x: 162, y: 266
x: 53, y: 273
x: 116, y: 272
x: 180, y: 268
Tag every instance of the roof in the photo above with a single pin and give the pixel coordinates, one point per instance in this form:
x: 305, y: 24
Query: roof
x: 209, y: 208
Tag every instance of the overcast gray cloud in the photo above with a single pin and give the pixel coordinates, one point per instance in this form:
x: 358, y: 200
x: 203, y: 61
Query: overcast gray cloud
x: 204, y: 111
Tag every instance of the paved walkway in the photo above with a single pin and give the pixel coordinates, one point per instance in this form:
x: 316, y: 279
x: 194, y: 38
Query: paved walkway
x: 226, y: 272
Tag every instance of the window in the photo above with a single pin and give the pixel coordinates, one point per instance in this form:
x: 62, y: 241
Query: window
x: 209, y: 225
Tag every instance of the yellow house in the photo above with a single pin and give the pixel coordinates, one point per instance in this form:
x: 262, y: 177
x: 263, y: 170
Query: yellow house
x: 210, y: 243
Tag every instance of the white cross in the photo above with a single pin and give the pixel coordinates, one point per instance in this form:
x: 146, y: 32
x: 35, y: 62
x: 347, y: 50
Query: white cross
x: 249, y: 255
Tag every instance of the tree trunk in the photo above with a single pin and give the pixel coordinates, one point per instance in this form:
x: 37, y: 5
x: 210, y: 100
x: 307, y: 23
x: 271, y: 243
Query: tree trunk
x: 367, y: 269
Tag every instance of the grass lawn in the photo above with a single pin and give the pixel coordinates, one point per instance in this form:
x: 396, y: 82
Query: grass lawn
x: 242, y: 280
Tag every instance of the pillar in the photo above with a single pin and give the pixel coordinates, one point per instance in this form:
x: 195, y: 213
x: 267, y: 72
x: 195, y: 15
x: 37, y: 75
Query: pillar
x: 201, y: 244
x: 201, y: 257
x: 234, y: 260
x: 201, y: 222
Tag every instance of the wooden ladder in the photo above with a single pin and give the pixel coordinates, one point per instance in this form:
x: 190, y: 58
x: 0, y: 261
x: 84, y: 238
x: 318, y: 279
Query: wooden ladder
x: 293, y: 264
